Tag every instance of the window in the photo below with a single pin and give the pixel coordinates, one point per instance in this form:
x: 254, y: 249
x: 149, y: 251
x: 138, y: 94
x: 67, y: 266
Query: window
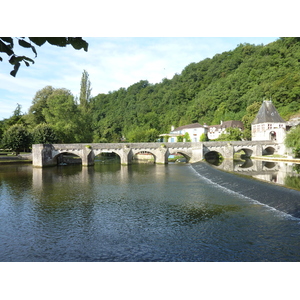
x: 269, y: 126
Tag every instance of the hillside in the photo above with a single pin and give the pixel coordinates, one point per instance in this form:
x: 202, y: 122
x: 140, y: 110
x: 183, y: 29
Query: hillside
x: 220, y: 88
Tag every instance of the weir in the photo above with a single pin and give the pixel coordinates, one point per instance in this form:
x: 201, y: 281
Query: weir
x: 44, y: 155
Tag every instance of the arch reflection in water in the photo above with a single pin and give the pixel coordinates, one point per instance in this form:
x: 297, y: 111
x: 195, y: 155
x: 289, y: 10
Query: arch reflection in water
x: 213, y: 157
x: 271, y: 171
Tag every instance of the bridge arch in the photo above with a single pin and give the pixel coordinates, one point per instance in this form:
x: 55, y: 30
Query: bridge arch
x: 247, y: 152
x: 97, y: 152
x: 106, y: 156
x: 214, y: 157
x: 144, y: 155
x: 67, y: 157
x: 269, y: 150
x: 180, y: 152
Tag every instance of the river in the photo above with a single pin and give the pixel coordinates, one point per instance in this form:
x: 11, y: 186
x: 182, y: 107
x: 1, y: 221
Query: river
x: 145, y: 212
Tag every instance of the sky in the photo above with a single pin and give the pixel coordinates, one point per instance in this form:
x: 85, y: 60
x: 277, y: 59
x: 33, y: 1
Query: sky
x: 111, y: 62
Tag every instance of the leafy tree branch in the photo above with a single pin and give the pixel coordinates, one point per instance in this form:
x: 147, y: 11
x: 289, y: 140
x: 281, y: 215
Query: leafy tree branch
x: 7, y: 45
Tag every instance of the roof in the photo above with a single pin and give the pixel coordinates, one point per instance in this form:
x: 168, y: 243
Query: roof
x: 194, y: 125
x: 267, y: 114
x: 227, y: 124
x: 170, y: 134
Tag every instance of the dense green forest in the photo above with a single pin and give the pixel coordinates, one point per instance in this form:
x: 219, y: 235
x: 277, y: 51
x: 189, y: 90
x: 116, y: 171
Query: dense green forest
x: 229, y: 86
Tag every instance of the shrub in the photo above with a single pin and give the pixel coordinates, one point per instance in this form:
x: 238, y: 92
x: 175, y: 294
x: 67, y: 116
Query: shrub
x: 292, y: 140
x: 43, y: 134
x: 17, y: 138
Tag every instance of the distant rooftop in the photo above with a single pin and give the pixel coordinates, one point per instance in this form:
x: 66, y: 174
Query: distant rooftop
x: 194, y: 125
x: 227, y: 124
x: 267, y: 114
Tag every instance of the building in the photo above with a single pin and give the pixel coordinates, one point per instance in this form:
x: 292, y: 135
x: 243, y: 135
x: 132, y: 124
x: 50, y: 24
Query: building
x: 194, y: 130
x: 214, y: 131
x: 268, y: 124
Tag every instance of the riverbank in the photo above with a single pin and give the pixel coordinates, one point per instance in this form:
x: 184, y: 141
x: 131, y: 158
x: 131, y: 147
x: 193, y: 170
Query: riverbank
x: 16, y: 159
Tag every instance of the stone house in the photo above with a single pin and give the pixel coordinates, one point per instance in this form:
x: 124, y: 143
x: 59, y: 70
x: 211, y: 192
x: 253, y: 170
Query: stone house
x: 194, y: 130
x: 268, y: 124
x: 214, y: 131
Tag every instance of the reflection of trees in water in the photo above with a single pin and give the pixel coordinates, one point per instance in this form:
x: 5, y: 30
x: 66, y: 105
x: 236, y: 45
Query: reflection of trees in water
x: 296, y: 168
x: 203, y: 212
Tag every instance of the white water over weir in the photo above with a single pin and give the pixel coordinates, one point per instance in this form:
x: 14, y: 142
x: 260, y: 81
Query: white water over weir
x: 44, y: 155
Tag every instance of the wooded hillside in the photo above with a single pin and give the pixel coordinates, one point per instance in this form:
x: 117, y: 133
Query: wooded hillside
x: 209, y: 91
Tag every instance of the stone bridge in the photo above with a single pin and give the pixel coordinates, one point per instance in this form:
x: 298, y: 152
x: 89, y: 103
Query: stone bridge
x: 47, y: 154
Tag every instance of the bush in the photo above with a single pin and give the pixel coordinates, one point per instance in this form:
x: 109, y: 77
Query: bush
x: 43, y: 134
x: 17, y: 138
x: 292, y: 140
x: 204, y: 138
x: 186, y: 137
x: 232, y: 134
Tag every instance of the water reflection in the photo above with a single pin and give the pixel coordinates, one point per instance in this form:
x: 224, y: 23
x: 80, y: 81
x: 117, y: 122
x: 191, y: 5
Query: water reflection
x: 279, y: 172
x: 144, y: 212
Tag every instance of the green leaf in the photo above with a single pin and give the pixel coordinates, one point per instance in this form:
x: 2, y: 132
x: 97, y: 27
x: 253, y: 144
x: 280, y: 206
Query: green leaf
x: 27, y: 58
x: 78, y: 43
x: 57, y: 41
x: 13, y: 60
x: 34, y: 51
x: 8, y: 40
x: 38, y: 40
x: 15, y: 70
x: 5, y: 48
x: 17, y: 59
x: 24, y: 44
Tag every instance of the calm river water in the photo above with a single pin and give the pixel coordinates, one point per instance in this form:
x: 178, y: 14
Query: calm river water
x: 144, y: 212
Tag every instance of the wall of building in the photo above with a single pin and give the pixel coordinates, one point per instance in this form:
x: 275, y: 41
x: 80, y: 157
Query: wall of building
x: 194, y: 134
x: 268, y: 131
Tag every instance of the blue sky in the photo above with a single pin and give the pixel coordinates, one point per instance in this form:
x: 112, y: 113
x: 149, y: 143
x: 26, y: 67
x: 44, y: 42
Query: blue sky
x: 112, y: 63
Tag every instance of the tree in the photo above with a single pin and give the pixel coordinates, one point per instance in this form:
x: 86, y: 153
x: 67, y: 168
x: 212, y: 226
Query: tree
x: 186, y: 137
x: 43, y: 134
x: 16, y: 138
x: 35, y: 115
x: 139, y: 135
x: 203, y: 137
x: 248, y: 118
x: 62, y: 114
x: 85, y: 108
x: 85, y: 91
x: 292, y: 140
x: 7, y: 46
x: 16, y: 118
x: 232, y: 134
